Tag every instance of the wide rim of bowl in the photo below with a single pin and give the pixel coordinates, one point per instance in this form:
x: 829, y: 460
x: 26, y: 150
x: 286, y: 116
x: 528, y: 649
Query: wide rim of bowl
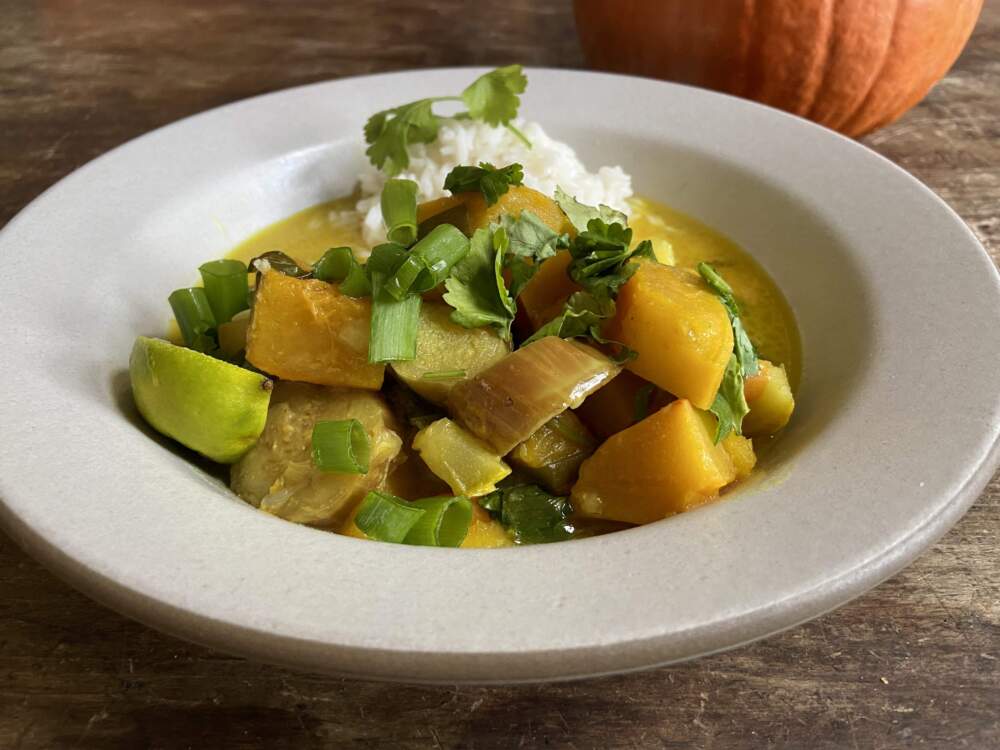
x: 441, y: 648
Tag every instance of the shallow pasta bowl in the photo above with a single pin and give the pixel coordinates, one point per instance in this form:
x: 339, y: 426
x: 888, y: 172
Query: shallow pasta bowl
x: 894, y: 435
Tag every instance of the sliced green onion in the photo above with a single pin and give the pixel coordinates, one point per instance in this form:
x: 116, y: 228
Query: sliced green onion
x: 443, y: 375
x: 399, y: 211
x: 445, y: 522
x: 339, y: 264
x: 341, y: 446
x: 226, y: 287
x: 394, y: 322
x: 194, y: 318
x: 429, y: 261
x: 387, y: 518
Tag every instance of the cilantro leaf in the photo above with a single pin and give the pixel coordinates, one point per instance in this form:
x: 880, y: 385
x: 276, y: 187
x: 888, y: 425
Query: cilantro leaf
x: 390, y: 133
x: 530, y: 514
x: 601, y: 256
x: 742, y: 346
x: 532, y: 240
x: 493, y: 97
x: 583, y: 316
x: 476, y: 287
x: 487, y: 179
x: 580, y: 214
x: 730, y: 405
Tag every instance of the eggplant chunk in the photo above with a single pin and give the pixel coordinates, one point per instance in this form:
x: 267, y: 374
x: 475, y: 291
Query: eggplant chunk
x: 447, y: 353
x: 277, y: 475
x: 506, y: 403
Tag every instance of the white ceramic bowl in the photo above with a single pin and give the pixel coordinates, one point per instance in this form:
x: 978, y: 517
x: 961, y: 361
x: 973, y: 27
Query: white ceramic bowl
x: 894, y: 435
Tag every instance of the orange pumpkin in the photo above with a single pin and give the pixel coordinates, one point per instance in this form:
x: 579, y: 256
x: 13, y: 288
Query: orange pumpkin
x: 852, y: 65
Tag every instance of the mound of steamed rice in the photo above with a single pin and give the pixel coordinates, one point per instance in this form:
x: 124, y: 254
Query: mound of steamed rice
x: 547, y: 164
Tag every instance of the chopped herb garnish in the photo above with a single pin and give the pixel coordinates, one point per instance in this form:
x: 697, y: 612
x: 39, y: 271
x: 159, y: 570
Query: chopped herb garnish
x: 531, y: 242
x: 281, y: 263
x: 579, y: 214
x: 530, y: 514
x: 341, y: 446
x: 730, y: 405
x: 394, y: 322
x: 195, y: 318
x: 583, y: 316
x: 443, y: 375
x: 601, y: 256
x: 429, y: 262
x: 643, y: 399
x: 399, y: 211
x: 338, y: 264
x: 444, y: 523
x: 226, y: 287
x: 476, y: 288
x: 492, y: 98
x: 491, y: 181
x: 386, y: 518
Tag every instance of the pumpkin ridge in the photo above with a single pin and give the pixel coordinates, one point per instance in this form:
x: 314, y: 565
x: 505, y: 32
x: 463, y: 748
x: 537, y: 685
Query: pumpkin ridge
x: 845, y: 123
x: 823, y: 60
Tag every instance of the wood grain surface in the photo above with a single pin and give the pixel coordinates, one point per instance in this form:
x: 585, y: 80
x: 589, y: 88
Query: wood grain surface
x: 914, y: 663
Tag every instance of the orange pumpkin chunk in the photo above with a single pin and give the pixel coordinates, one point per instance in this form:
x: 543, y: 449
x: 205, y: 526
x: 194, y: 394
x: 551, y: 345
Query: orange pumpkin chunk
x: 665, y: 464
x: 544, y: 296
x: 679, y: 328
x: 307, y: 330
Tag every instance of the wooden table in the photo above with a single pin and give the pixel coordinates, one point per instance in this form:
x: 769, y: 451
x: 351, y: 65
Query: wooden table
x: 916, y: 662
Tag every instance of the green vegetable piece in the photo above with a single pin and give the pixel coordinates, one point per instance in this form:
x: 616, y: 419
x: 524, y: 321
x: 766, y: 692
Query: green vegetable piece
x: 742, y: 346
x: 195, y: 318
x: 386, y: 518
x: 730, y: 405
x: 476, y: 288
x: 580, y: 214
x: 445, y: 522
x: 429, y: 262
x: 211, y: 406
x: 281, y: 263
x: 226, y: 288
x: 394, y: 322
x: 583, y: 316
x: 492, y: 97
x: 530, y: 514
x: 341, y: 445
x: 399, y: 211
x: 486, y: 179
x: 338, y: 264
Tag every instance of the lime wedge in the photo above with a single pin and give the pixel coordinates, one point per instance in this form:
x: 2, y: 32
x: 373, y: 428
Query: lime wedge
x: 211, y: 406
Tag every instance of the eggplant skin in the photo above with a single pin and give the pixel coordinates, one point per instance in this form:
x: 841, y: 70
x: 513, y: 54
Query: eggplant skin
x: 277, y: 475
x: 507, y: 402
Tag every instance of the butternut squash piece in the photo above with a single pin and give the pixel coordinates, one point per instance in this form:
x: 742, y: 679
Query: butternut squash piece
x: 304, y: 329
x: 469, y: 212
x: 613, y: 407
x: 770, y: 399
x: 445, y: 347
x: 544, y: 296
x: 740, y: 450
x: 679, y: 328
x: 485, y: 532
x: 665, y: 464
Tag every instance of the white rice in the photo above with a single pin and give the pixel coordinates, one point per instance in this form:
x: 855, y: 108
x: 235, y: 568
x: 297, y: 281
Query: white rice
x: 547, y: 164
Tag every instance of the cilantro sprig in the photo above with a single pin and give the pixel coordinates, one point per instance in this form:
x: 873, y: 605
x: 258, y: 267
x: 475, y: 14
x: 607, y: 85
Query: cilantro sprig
x: 476, y: 287
x: 493, y: 98
x: 730, y: 405
x: 487, y: 179
x: 530, y: 514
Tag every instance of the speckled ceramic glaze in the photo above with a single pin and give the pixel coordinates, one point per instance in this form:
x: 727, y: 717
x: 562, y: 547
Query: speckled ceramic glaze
x: 893, y: 438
